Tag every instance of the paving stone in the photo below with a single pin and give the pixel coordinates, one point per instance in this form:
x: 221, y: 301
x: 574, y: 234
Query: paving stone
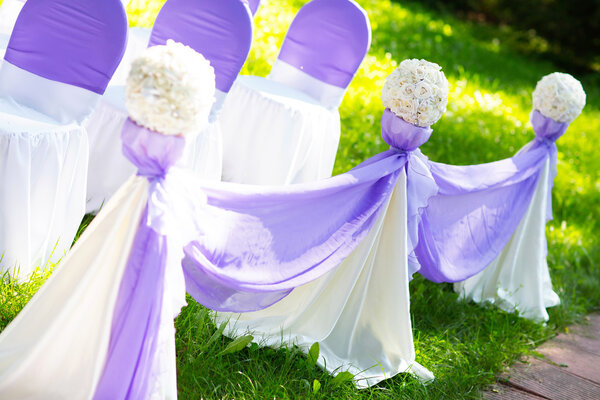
x: 551, y: 381
x: 503, y: 392
x: 574, y: 354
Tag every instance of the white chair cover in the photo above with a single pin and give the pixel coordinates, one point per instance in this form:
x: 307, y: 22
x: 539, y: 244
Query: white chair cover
x: 276, y: 135
x: 43, y: 148
x: 359, y: 313
x: 42, y: 169
x: 329, y: 96
x: 42, y: 172
x: 518, y: 279
x: 9, y: 11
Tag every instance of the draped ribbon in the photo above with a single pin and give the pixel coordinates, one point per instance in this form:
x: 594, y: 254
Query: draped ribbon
x: 258, y: 243
x: 155, y: 256
x: 478, y: 207
x: 246, y: 247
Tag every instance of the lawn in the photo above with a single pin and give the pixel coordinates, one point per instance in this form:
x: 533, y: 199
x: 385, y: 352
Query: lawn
x: 463, y: 344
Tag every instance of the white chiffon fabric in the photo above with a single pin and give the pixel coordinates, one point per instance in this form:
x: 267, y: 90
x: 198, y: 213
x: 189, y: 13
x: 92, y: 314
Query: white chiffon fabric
x: 276, y: 135
x: 359, y: 313
x: 56, y: 347
x: 518, y: 279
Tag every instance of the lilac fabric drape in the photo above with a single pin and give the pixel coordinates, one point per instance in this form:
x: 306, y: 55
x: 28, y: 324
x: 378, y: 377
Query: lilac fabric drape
x: 258, y: 243
x: 328, y: 40
x: 136, y: 318
x: 96, y: 33
x: 248, y: 246
x: 478, y: 207
x: 220, y: 30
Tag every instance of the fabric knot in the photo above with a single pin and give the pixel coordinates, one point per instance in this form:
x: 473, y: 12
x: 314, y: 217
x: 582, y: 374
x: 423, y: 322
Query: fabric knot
x: 547, y: 130
x: 151, y: 152
x: 402, y: 136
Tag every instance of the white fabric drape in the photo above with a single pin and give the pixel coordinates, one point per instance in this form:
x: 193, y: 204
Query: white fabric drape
x: 276, y: 135
x: 518, y: 279
x: 359, y: 313
x: 43, y: 168
x: 56, y: 347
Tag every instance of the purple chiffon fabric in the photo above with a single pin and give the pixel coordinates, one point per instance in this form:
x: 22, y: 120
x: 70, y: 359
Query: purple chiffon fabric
x: 328, y: 40
x: 220, y: 30
x: 259, y: 243
x: 479, y: 207
x: 79, y: 43
x: 135, y: 325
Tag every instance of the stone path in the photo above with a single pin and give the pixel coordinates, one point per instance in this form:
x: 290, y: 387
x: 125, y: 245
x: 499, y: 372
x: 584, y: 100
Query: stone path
x: 568, y: 370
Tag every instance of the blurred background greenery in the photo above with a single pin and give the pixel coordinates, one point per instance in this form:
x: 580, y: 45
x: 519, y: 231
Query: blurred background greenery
x: 565, y: 31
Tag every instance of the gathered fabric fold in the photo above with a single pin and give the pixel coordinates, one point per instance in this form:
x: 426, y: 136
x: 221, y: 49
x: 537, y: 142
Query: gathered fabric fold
x: 479, y: 207
x: 258, y: 243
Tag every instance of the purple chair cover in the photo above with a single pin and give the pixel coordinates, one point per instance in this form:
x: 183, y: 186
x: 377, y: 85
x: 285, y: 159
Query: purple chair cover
x: 328, y: 40
x: 221, y: 30
x: 478, y: 207
x: 79, y: 43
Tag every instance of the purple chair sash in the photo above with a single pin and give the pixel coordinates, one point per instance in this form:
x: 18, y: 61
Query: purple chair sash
x: 221, y: 30
x: 328, y: 40
x: 136, y: 318
x: 79, y: 43
x: 479, y: 207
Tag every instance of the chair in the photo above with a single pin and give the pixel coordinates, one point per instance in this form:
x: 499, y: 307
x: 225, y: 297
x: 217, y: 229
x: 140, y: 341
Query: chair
x: 48, y: 86
x: 285, y: 129
x: 221, y: 30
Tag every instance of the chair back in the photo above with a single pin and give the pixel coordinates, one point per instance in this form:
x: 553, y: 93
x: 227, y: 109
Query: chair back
x: 221, y: 30
x: 326, y: 42
x: 62, y: 54
x: 79, y: 43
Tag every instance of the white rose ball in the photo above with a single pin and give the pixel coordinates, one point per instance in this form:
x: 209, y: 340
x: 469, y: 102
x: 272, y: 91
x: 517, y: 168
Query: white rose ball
x: 559, y: 96
x: 170, y: 90
x: 417, y: 92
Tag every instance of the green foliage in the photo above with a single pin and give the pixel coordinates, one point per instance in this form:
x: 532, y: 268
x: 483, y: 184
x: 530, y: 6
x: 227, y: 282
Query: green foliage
x: 313, y: 355
x: 15, y: 294
x: 463, y: 344
x: 568, y: 33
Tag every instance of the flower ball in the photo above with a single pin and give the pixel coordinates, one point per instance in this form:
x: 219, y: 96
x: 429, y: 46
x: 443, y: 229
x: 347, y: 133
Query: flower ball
x: 559, y: 96
x: 170, y: 90
x: 417, y: 92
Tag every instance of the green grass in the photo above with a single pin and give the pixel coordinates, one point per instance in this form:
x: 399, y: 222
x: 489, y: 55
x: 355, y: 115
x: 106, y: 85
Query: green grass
x: 463, y: 344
